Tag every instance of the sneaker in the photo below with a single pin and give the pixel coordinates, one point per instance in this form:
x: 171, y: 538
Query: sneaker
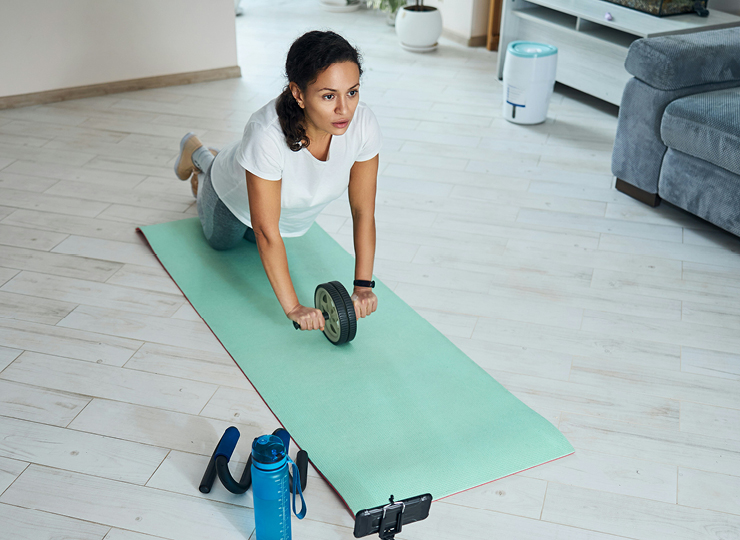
x: 184, y: 166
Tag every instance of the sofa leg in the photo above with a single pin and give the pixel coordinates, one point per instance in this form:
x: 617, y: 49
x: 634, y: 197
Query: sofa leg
x: 651, y: 199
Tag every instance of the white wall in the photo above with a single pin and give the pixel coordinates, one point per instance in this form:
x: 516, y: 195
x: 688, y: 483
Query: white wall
x: 53, y: 44
x: 463, y: 18
x: 480, y: 17
x: 730, y: 6
x: 456, y: 15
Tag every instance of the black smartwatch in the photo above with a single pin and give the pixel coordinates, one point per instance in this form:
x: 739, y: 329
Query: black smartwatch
x: 363, y: 283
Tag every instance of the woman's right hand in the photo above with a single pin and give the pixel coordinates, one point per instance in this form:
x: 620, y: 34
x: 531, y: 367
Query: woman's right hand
x: 308, y: 318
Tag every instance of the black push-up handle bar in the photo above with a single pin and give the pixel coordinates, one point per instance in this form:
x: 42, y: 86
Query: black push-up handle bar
x: 219, y: 464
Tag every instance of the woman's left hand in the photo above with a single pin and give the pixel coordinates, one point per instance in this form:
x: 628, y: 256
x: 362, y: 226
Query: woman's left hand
x: 365, y: 301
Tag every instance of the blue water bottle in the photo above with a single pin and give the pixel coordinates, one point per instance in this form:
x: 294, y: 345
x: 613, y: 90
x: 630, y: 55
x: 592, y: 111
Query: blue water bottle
x: 271, y: 489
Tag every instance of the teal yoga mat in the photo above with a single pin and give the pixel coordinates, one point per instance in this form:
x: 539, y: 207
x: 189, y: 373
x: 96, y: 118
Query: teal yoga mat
x: 400, y: 410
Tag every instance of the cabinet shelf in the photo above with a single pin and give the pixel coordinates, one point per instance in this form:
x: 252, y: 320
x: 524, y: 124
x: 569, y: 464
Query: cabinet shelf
x: 584, y: 27
x: 592, y: 49
x: 547, y: 17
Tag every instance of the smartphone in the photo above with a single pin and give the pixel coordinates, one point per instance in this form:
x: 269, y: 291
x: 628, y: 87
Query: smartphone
x: 410, y: 510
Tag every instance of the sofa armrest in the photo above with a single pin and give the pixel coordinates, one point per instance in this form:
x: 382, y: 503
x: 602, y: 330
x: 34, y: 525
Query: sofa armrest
x: 680, y: 61
x: 638, y: 146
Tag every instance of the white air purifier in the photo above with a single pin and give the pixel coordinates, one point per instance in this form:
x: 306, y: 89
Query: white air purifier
x: 529, y: 78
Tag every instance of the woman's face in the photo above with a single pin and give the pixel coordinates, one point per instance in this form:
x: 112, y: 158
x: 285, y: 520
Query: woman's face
x: 330, y: 101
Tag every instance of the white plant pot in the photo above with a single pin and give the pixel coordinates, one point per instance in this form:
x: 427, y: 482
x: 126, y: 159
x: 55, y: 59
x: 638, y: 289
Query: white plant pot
x: 340, y: 6
x: 418, y: 31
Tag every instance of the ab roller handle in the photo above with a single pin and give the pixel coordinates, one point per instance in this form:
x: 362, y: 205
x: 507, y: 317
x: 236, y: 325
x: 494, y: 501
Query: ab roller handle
x: 298, y: 326
x: 339, y: 312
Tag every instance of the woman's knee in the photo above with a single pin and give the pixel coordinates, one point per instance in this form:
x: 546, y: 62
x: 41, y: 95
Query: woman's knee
x: 220, y: 243
x: 220, y: 227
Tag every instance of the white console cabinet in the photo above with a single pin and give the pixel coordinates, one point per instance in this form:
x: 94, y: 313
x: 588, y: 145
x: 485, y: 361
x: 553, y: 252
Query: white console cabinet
x: 591, y: 48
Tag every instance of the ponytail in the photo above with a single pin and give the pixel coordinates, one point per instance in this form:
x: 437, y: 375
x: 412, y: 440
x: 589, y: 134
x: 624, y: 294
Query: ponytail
x: 291, y: 120
x: 309, y: 55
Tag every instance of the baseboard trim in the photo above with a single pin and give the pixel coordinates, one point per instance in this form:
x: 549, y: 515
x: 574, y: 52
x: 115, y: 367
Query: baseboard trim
x: 475, y: 41
x: 64, y: 94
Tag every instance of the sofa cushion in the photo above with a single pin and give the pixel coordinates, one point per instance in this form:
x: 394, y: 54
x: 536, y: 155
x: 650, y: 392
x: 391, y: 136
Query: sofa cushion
x: 680, y: 61
x: 706, y: 126
x: 710, y: 192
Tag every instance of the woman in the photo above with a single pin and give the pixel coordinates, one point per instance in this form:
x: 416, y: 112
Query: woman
x: 298, y: 153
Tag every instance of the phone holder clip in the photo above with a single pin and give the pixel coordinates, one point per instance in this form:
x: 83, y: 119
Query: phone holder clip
x: 388, y: 531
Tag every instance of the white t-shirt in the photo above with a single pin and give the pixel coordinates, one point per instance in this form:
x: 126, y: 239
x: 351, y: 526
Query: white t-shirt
x: 308, y: 183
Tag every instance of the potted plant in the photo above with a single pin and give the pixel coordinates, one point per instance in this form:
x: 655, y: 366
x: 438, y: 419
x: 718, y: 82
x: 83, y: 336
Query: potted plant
x: 340, y: 6
x: 418, y: 27
x: 390, y: 7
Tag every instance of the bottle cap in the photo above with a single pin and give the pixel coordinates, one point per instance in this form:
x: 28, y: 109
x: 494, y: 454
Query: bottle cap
x: 268, y: 450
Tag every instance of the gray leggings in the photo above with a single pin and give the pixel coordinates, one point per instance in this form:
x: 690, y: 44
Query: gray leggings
x: 221, y: 228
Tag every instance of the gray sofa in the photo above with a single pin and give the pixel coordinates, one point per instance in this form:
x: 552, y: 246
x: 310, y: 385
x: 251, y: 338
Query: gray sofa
x: 678, y: 136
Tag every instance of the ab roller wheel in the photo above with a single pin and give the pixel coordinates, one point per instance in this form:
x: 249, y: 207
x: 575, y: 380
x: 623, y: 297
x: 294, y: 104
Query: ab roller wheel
x: 341, y: 324
x: 334, y: 302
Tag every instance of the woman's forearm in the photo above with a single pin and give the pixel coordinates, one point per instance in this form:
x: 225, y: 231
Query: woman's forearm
x: 363, y: 228
x: 275, y: 262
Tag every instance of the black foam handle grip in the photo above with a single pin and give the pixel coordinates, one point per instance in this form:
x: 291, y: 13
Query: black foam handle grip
x: 298, y: 326
x: 229, y: 482
x: 301, y: 460
x: 208, y: 477
x: 224, y: 449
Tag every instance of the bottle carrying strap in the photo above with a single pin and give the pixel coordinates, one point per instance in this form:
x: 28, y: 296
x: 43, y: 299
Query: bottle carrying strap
x: 297, y: 485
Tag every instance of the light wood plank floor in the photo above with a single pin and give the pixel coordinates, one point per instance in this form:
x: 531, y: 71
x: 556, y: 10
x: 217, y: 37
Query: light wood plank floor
x: 617, y: 322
